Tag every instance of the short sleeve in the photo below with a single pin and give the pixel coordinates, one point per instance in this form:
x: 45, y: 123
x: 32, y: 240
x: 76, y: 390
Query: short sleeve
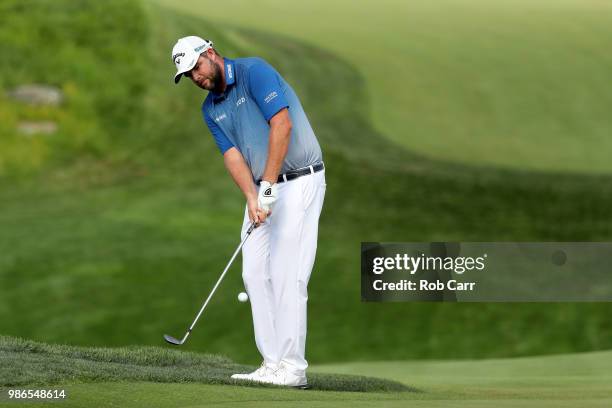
x: 265, y: 88
x: 223, y: 143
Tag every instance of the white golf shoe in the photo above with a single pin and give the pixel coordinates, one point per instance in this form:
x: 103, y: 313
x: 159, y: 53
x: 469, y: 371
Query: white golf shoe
x: 260, y: 375
x: 284, y: 376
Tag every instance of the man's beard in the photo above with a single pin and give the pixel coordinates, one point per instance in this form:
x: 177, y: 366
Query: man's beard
x: 216, y: 79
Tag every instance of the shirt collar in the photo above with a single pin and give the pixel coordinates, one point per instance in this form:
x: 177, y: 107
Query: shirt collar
x: 230, y: 77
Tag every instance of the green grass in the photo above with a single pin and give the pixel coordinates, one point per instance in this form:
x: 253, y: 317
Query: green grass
x: 159, y: 377
x: 515, y: 84
x: 88, y: 53
x: 30, y: 363
x: 119, y: 246
x: 556, y: 377
x: 136, y: 395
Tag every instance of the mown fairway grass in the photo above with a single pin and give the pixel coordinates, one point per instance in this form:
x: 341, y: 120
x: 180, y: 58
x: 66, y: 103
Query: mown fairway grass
x: 557, y: 377
x: 118, y: 242
x: 519, y: 84
x: 137, y: 395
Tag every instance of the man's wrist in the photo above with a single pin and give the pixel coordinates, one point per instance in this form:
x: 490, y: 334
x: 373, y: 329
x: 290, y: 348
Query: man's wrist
x: 251, y: 194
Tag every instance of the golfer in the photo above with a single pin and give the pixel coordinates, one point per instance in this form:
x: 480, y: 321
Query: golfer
x: 272, y: 153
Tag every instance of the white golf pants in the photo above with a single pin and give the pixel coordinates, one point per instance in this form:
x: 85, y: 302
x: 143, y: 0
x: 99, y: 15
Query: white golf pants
x: 277, y: 260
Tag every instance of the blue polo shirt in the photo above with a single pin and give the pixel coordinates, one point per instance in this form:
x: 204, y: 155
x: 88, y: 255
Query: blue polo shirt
x: 239, y: 116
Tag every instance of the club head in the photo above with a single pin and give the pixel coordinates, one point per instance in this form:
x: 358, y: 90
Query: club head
x: 172, y: 340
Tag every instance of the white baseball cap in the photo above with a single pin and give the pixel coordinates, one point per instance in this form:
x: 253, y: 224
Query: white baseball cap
x: 186, y: 52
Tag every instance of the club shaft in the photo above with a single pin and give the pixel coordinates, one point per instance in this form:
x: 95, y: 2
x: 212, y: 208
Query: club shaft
x: 229, y: 264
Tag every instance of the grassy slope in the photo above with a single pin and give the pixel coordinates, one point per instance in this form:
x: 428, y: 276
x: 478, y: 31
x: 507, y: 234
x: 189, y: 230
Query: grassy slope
x: 121, y: 248
x: 115, y: 377
x: 519, y: 84
x: 79, y: 55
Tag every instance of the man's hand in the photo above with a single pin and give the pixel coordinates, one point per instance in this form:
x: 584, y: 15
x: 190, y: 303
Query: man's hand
x: 267, y: 196
x: 256, y: 214
x: 241, y: 174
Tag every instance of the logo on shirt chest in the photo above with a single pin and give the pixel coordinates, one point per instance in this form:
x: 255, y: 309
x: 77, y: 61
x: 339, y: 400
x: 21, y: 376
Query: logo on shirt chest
x: 241, y: 100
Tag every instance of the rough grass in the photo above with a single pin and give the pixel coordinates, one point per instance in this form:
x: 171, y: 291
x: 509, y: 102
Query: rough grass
x: 86, y: 49
x: 25, y: 362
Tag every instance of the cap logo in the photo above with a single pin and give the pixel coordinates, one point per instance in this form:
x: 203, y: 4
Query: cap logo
x: 176, y: 57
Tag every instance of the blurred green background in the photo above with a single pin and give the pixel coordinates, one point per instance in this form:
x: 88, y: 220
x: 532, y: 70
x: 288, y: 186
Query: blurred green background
x: 453, y: 120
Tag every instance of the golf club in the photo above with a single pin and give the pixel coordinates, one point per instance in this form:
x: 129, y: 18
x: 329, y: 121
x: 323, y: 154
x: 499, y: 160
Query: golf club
x: 177, y: 342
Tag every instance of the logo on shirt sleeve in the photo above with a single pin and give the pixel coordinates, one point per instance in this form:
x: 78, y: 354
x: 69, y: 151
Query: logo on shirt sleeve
x: 270, y: 96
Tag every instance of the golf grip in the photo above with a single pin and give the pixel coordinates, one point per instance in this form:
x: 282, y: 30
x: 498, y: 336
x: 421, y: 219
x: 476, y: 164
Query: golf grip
x: 251, y: 228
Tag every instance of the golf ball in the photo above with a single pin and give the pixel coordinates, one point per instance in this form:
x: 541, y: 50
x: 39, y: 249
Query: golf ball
x: 243, y: 297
